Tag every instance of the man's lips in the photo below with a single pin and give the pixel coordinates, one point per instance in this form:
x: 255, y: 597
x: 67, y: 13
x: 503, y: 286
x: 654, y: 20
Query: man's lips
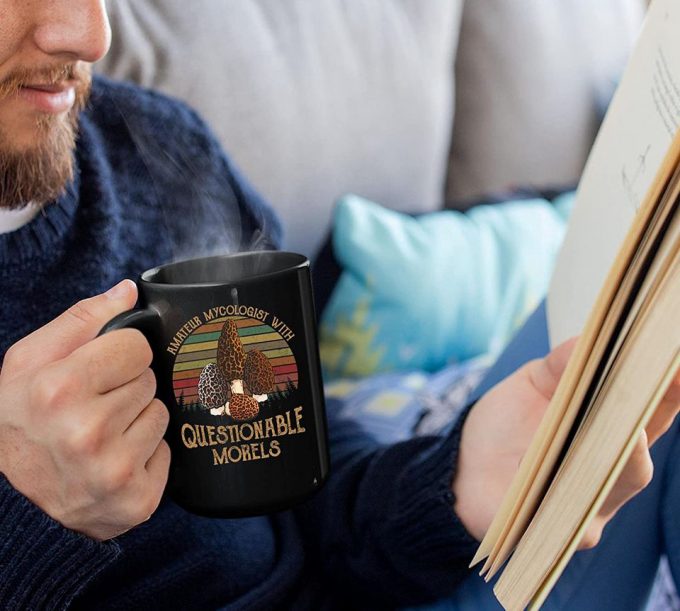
x: 51, y: 98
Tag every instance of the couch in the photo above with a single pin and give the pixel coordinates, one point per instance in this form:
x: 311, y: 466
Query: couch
x: 318, y: 98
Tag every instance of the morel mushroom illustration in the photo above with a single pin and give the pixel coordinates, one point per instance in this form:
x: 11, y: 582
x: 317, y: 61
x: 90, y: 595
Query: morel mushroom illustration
x: 230, y: 357
x: 243, y: 407
x: 258, y: 375
x: 213, y: 390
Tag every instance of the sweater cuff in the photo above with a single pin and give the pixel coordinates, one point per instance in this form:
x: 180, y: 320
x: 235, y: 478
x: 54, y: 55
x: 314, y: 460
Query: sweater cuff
x: 427, y: 522
x: 43, y: 565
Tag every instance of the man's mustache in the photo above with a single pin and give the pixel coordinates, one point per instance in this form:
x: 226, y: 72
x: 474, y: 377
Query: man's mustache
x: 78, y: 73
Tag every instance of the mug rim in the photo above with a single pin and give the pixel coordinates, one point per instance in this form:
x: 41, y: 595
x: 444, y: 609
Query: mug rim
x: 298, y: 261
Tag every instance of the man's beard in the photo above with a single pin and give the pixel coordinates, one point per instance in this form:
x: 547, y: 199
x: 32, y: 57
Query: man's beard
x: 40, y: 173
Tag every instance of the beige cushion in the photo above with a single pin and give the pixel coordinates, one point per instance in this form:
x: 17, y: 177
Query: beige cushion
x: 312, y: 98
x: 530, y: 75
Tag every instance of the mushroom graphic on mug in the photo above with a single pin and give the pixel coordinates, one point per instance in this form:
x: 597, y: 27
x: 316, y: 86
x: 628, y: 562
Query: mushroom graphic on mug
x: 221, y: 384
x: 243, y: 407
x: 213, y: 390
x: 230, y: 364
x: 231, y: 357
x: 258, y: 375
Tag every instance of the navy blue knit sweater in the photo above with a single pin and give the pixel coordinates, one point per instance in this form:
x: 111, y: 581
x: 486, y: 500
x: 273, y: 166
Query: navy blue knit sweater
x: 150, y: 179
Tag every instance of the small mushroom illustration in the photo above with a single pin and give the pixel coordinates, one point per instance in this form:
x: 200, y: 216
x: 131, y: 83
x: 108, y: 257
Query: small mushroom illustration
x: 258, y: 375
x: 213, y: 390
x: 231, y: 357
x: 243, y: 407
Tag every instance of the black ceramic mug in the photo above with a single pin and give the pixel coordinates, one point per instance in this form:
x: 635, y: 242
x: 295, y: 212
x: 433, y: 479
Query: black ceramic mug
x: 237, y: 364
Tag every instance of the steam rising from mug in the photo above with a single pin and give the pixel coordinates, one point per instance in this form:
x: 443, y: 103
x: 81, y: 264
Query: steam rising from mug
x: 213, y: 225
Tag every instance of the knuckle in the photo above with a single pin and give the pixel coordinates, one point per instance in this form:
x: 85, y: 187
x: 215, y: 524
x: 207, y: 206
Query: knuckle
x: 646, y: 472
x: 118, y: 476
x: 164, y: 453
x: 529, y: 366
x: 136, y: 342
x: 641, y: 466
x: 82, y: 311
x: 164, y: 447
x: 149, y: 505
x: 145, y: 349
x: 84, y: 442
x: 159, y: 416
x: 141, y: 507
x: 147, y: 381
x: 591, y: 538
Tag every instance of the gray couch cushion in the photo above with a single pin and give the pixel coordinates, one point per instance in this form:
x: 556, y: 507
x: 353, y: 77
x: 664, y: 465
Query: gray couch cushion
x: 530, y: 76
x: 312, y: 98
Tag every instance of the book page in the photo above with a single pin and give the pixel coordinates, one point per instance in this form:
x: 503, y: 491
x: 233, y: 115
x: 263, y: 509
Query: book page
x: 607, y: 487
x: 526, y: 490
x: 633, y: 387
x: 641, y: 122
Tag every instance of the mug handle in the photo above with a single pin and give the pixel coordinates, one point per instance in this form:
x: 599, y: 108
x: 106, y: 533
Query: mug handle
x: 142, y: 320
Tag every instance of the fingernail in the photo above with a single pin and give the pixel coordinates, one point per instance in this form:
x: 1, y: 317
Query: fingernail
x: 120, y: 290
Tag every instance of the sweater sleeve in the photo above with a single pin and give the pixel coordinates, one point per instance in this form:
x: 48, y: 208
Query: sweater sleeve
x: 383, y: 530
x: 42, y: 564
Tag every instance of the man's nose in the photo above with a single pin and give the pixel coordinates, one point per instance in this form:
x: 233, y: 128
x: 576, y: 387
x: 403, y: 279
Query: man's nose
x: 78, y: 29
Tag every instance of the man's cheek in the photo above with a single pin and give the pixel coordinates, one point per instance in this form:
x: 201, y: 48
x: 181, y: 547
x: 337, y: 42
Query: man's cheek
x: 11, y: 34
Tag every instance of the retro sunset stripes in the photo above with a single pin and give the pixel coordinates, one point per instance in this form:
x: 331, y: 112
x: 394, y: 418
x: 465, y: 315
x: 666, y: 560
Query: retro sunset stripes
x: 200, y: 348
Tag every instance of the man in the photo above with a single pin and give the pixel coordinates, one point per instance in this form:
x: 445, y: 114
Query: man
x: 83, y: 523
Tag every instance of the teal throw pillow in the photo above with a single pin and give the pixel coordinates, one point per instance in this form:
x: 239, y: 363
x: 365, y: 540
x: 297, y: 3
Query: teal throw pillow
x: 422, y: 292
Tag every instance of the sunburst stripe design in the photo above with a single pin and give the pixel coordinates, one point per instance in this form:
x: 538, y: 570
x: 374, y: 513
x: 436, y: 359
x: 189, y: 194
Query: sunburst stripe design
x: 281, y: 372
x: 200, y: 349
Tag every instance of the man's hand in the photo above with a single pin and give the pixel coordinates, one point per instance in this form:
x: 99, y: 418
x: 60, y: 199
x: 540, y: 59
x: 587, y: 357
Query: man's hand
x: 498, y: 431
x: 81, y: 434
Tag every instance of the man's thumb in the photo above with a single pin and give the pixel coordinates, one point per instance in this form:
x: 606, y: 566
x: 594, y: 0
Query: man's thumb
x: 78, y: 325
x: 545, y: 373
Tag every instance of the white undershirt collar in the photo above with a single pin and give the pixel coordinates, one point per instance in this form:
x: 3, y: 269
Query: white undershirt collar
x: 11, y: 220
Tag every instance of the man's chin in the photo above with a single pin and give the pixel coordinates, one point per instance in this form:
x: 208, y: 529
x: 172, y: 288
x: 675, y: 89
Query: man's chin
x: 37, y: 148
x: 26, y: 141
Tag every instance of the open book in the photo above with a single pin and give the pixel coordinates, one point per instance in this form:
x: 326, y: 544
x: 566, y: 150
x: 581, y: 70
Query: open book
x: 617, y: 286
